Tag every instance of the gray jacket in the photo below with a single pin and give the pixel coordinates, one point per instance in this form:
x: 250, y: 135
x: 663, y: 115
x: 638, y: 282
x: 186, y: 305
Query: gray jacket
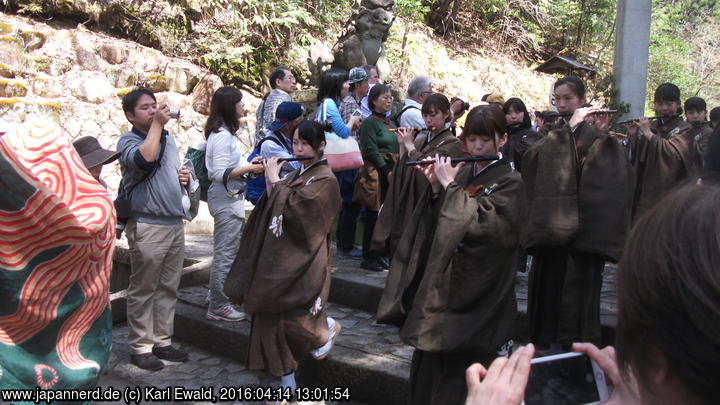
x: 265, y: 114
x: 158, y: 199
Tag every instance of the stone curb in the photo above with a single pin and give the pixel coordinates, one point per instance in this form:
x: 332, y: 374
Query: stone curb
x: 353, y: 291
x: 195, y: 274
x: 371, y: 378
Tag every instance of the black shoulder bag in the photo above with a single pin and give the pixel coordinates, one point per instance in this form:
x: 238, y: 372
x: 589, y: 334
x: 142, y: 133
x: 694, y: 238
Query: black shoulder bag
x: 123, y: 208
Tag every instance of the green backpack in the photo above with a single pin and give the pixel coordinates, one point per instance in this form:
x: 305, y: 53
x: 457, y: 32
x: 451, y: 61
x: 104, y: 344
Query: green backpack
x: 197, y: 157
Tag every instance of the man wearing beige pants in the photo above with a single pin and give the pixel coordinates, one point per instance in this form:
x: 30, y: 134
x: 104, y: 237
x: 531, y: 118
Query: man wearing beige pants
x: 152, y: 177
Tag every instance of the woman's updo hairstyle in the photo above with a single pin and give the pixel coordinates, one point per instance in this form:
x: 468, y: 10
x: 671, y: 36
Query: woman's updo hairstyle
x: 485, y: 120
x: 313, y: 133
x: 576, y: 85
x: 436, y: 102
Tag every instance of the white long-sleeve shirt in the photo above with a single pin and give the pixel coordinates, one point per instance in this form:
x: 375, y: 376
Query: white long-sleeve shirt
x: 222, y: 153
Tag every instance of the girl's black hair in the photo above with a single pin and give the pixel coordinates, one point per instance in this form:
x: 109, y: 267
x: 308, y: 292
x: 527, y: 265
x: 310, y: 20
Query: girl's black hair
x: 331, y: 84
x: 576, y: 85
x: 375, y: 93
x: 518, y: 105
x: 667, y: 92
x: 465, y: 104
x: 313, y: 132
x: 695, y: 104
x: 222, y: 110
x: 437, y: 102
x: 485, y: 120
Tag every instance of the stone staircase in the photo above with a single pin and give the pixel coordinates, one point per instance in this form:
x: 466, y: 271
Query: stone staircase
x: 368, y: 358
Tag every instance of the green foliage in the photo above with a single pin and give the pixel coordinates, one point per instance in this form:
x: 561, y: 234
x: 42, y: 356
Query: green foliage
x: 675, y: 25
x: 252, y: 36
x: 31, y: 8
x: 413, y: 9
x: 584, y: 29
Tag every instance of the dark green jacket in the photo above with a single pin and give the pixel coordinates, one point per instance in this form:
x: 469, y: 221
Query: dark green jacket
x: 375, y: 139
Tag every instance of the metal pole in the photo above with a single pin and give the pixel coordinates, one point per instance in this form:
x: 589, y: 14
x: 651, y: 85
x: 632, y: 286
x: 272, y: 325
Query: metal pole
x: 632, y: 50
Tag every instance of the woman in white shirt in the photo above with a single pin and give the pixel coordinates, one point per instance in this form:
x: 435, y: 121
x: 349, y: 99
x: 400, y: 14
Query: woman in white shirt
x: 227, y: 169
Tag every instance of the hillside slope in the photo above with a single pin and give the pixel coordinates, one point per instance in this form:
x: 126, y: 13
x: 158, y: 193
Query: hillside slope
x: 76, y: 77
x: 466, y: 73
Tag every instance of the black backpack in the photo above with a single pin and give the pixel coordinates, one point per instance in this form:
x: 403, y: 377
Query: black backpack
x: 256, y: 186
x: 396, y: 119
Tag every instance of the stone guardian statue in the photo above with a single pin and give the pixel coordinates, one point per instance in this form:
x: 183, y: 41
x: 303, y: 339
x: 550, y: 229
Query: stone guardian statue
x: 363, y: 39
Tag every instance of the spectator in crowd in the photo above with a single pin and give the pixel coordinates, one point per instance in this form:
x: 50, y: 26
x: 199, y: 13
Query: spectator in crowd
x: 668, y: 312
x: 458, y: 107
x: 373, y: 79
x: 278, y: 141
x: 283, y: 85
x: 359, y: 87
x: 495, y: 99
x: 410, y: 116
x: 379, y: 149
x: 519, y: 129
x: 373, y: 73
x: 94, y: 156
x: 347, y: 221
x: 151, y: 170
x: 334, y: 87
x: 226, y: 169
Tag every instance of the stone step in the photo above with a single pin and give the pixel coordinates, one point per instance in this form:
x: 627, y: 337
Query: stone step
x: 355, y: 287
x: 368, y: 358
x: 203, y: 369
x: 362, y: 289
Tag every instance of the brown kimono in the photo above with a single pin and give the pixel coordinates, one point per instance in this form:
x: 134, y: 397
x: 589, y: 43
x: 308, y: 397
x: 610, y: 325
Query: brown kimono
x: 579, y: 192
x: 451, y: 282
x: 701, y: 138
x: 407, y: 186
x: 280, y: 273
x: 517, y: 143
x: 663, y: 161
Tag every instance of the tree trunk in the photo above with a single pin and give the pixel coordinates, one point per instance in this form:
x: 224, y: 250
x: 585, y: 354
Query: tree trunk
x: 442, y: 15
x: 438, y: 11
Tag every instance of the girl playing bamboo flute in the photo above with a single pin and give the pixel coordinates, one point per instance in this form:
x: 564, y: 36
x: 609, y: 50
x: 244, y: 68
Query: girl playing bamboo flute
x: 452, y: 279
x: 281, y: 273
x: 579, y: 186
x: 408, y: 185
x: 661, y: 151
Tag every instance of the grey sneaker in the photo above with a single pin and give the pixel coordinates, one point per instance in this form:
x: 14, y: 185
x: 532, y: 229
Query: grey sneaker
x: 227, y: 313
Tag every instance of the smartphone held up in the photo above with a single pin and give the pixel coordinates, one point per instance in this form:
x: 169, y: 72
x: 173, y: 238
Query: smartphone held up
x: 565, y: 379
